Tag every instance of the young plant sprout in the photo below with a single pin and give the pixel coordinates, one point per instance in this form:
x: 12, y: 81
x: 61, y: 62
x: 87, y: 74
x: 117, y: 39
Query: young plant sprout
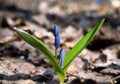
x: 60, y: 63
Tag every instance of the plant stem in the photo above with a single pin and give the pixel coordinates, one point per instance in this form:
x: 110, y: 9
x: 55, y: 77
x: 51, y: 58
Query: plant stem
x: 56, y: 53
x: 62, y: 78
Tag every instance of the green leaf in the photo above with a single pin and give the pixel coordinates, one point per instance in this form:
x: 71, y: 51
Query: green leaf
x: 81, y: 45
x: 40, y: 46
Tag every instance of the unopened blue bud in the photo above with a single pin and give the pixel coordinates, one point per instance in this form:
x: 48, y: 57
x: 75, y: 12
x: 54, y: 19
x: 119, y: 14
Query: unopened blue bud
x: 57, y: 42
x: 61, y: 57
x: 56, y: 30
x: 99, y: 2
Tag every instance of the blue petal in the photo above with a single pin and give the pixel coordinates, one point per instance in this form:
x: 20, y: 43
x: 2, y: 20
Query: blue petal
x: 62, y: 63
x: 62, y: 54
x: 99, y: 2
x: 57, y: 42
x: 56, y: 30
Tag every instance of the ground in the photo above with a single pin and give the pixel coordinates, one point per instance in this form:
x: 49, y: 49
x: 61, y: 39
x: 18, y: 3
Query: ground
x: 98, y: 63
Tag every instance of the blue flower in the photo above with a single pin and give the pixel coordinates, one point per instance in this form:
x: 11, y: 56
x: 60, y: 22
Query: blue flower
x: 61, y: 57
x: 56, y: 30
x: 57, y: 42
x: 99, y: 2
x: 57, y: 36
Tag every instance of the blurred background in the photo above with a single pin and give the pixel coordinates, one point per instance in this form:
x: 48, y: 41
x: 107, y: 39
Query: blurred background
x: 75, y: 18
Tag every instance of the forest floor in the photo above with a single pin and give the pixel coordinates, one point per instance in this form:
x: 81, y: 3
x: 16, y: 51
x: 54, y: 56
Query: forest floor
x: 98, y: 63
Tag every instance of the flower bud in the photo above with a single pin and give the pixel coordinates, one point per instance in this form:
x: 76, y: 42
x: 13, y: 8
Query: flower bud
x: 57, y: 42
x: 61, y: 57
x: 99, y: 2
x: 56, y: 30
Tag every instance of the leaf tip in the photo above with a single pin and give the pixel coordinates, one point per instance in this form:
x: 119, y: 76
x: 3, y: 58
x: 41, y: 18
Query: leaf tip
x: 103, y: 19
x: 15, y: 28
x: 19, y: 30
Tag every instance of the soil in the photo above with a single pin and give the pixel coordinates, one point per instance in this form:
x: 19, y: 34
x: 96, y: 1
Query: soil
x: 98, y: 63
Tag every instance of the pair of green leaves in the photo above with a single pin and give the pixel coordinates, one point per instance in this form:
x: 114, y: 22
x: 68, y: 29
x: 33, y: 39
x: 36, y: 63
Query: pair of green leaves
x: 40, y: 46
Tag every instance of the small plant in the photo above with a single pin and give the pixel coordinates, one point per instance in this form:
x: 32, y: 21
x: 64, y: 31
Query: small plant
x: 61, y: 62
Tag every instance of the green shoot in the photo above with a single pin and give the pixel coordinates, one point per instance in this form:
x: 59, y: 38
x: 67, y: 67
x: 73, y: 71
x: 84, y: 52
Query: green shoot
x: 70, y: 56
